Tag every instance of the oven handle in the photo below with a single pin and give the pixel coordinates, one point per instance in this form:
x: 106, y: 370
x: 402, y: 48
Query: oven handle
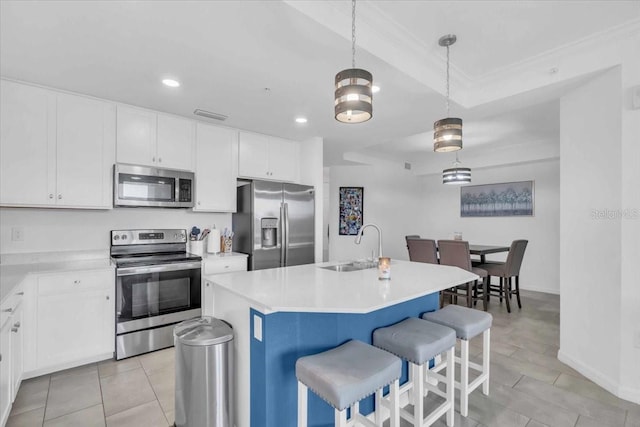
x: 130, y: 271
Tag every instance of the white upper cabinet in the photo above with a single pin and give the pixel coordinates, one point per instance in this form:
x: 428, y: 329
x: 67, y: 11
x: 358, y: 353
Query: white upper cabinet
x: 85, y: 152
x: 148, y: 138
x: 175, y: 142
x: 27, y: 145
x: 57, y: 149
x: 216, y: 159
x: 267, y: 157
x: 136, y: 136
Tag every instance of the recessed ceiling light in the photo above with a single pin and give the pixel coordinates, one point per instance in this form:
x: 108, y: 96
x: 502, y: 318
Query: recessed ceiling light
x: 171, y: 83
x: 375, y: 89
x: 301, y: 120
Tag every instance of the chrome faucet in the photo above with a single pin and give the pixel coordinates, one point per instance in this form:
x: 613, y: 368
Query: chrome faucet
x: 359, y: 236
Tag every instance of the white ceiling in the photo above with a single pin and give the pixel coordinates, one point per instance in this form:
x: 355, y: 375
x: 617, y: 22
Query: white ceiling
x: 226, y: 53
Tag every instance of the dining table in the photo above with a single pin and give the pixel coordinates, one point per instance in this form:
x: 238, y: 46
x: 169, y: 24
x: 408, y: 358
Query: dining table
x: 484, y: 250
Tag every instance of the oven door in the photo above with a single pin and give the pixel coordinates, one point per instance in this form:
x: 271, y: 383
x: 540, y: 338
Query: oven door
x: 152, y: 296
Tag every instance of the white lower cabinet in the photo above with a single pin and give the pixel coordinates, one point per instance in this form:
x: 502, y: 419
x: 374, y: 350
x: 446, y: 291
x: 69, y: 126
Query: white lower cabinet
x: 74, y: 319
x: 11, y: 350
x: 225, y: 263
x: 5, y: 370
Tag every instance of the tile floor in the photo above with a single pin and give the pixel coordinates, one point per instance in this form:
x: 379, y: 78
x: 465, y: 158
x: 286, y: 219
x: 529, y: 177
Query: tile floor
x: 529, y: 386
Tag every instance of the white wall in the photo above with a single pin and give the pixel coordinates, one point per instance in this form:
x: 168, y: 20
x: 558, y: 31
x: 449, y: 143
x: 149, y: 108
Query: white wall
x: 391, y: 200
x: 600, y: 228
x: 540, y: 268
x: 52, y: 230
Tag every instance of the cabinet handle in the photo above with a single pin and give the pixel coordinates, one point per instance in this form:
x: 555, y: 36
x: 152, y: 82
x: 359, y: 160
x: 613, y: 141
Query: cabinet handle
x: 198, y: 203
x: 153, y: 159
x: 14, y: 329
x: 8, y: 310
x: 76, y: 282
x: 207, y: 285
x: 59, y: 196
x: 159, y: 159
x: 50, y: 196
x: 17, y: 324
x: 107, y: 297
x: 20, y: 293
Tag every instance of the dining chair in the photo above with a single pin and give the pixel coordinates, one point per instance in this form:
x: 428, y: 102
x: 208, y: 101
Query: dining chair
x: 422, y: 250
x: 456, y: 253
x: 505, y: 271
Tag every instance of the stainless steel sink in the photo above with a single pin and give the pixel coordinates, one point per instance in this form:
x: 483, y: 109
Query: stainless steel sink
x: 350, y: 266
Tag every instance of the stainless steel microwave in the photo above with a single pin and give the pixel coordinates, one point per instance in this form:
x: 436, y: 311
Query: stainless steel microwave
x: 144, y: 186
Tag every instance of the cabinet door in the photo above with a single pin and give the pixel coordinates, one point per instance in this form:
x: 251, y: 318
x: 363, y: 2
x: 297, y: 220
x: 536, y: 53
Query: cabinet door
x: 136, y: 136
x: 85, y: 151
x: 72, y: 326
x: 283, y: 159
x: 216, y: 169
x: 253, y: 155
x: 17, y: 343
x: 27, y: 145
x: 175, y: 142
x: 5, y: 370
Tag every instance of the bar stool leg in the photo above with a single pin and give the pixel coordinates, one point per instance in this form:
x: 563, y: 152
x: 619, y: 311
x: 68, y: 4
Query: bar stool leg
x: 451, y: 369
x: 340, y: 418
x: 302, y: 405
x: 418, y: 392
x: 486, y: 351
x: 378, y: 409
x: 394, y: 394
x: 464, y: 377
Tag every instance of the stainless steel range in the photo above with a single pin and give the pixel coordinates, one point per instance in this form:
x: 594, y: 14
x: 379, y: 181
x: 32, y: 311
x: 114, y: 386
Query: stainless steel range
x: 157, y: 286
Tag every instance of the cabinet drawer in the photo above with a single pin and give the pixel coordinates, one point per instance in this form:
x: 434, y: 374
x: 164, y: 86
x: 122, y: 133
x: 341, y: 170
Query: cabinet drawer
x: 11, y: 303
x: 69, y: 282
x: 225, y: 265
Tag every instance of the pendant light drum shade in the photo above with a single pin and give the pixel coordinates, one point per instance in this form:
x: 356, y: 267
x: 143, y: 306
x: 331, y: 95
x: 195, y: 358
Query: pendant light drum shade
x: 447, y: 135
x: 353, y: 95
x: 456, y: 175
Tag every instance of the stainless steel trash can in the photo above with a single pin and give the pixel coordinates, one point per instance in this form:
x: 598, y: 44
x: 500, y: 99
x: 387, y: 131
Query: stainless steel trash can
x: 204, y: 373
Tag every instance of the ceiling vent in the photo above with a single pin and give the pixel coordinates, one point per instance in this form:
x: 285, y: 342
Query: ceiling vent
x: 210, y: 115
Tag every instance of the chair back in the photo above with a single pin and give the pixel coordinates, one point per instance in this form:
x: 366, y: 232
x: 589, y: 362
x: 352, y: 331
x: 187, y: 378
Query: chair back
x: 514, y: 259
x: 422, y: 250
x: 455, y: 253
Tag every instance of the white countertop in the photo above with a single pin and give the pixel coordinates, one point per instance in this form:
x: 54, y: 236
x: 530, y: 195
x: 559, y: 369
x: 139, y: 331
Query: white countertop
x: 11, y: 275
x: 222, y: 255
x: 309, y: 288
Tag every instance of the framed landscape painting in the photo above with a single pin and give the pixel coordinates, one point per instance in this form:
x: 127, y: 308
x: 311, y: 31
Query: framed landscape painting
x: 350, y: 210
x: 505, y: 199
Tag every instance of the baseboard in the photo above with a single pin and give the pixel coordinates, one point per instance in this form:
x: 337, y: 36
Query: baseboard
x: 543, y: 290
x: 626, y: 393
x: 68, y: 365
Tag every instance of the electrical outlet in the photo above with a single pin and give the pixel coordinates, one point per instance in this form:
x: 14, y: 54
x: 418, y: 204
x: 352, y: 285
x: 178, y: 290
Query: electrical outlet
x: 636, y: 340
x: 17, y: 234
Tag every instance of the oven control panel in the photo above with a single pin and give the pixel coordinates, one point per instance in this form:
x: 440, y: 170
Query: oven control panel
x: 144, y: 237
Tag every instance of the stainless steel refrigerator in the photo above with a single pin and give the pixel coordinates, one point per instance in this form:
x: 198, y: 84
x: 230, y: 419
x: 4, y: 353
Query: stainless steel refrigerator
x: 274, y: 224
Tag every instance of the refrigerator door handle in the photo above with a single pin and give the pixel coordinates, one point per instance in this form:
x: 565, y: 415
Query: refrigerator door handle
x: 286, y: 234
x: 282, y: 235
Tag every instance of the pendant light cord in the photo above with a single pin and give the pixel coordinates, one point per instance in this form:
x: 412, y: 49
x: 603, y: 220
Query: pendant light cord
x: 353, y: 33
x: 448, y: 114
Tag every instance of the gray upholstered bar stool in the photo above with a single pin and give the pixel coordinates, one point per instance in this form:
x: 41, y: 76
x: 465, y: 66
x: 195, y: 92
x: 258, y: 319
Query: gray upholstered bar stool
x: 467, y: 323
x: 418, y: 341
x: 345, y: 375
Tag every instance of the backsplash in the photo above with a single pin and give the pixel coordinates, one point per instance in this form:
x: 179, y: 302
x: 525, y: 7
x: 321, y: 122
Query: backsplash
x: 55, y: 230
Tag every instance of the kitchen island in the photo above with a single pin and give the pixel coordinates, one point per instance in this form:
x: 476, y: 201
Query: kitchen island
x: 281, y: 314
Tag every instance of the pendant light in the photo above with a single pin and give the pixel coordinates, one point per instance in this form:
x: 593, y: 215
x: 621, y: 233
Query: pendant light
x: 447, y: 132
x: 353, y: 86
x: 456, y: 174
